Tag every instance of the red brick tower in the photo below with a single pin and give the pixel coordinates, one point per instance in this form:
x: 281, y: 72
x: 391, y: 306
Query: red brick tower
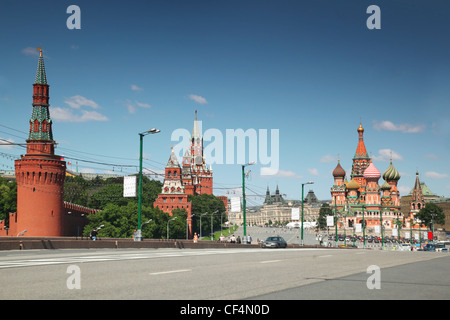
x: 40, y: 173
x: 418, y: 200
x: 360, y: 163
x: 197, y: 176
x: 173, y: 194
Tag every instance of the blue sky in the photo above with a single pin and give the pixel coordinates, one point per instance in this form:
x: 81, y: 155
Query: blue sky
x: 311, y: 69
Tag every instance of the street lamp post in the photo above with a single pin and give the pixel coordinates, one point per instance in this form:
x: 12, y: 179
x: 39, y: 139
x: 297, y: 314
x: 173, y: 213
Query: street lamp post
x: 243, y: 199
x: 168, y: 226
x: 212, y: 231
x: 364, y: 228
x: 303, y: 184
x: 201, y: 215
x: 138, y: 236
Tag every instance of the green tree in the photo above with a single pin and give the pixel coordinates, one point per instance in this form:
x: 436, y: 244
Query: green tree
x: 8, y: 198
x: 324, y: 211
x: 431, y: 213
x: 204, y: 205
x: 119, y: 215
x: 121, y: 221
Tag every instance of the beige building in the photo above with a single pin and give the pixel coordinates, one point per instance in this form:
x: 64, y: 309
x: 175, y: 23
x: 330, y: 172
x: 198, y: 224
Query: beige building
x: 275, y: 209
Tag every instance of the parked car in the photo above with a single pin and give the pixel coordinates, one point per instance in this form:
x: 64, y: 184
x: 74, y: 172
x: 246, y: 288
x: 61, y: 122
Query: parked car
x: 404, y: 247
x: 435, y: 247
x: 441, y: 247
x: 274, y: 242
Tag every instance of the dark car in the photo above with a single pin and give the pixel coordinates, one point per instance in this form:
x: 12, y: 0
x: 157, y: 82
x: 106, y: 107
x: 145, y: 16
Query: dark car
x: 274, y: 242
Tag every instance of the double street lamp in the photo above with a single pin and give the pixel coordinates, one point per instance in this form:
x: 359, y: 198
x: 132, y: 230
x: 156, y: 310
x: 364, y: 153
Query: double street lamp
x: 303, y: 185
x: 243, y: 199
x: 138, y: 236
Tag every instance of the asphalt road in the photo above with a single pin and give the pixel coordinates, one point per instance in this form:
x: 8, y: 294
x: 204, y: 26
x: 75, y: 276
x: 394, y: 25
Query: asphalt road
x: 220, y: 274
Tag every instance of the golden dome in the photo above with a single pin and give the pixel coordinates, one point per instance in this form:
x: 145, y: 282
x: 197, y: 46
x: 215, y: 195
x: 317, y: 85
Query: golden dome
x: 360, y: 128
x: 353, y: 184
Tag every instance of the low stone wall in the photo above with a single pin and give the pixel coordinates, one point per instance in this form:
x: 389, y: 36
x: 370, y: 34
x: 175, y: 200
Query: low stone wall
x: 30, y: 243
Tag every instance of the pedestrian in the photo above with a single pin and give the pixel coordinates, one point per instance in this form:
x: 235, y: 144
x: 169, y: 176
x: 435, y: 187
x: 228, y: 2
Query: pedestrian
x: 238, y: 240
x: 249, y: 239
x: 195, y: 237
x: 233, y: 239
x: 94, y: 234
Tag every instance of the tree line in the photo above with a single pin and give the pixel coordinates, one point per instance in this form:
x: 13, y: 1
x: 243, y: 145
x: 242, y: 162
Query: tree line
x: 119, y: 216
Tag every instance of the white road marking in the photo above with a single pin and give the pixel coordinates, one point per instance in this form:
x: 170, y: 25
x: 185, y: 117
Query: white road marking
x: 270, y: 261
x: 167, y: 272
x: 121, y: 256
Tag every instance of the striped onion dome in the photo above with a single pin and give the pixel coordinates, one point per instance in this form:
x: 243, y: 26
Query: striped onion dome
x: 371, y: 172
x: 339, y: 171
x: 352, y: 185
x: 385, y: 186
x: 391, y: 173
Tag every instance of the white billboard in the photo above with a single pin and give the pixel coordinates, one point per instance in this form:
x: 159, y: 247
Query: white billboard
x: 330, y: 221
x: 129, y: 186
x: 235, y: 204
x: 295, y: 214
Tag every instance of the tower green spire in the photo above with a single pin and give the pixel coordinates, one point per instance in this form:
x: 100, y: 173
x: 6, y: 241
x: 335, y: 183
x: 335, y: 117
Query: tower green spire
x: 40, y: 122
x: 41, y: 78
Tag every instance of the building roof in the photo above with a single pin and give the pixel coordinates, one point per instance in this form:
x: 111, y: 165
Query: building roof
x: 173, y: 161
x: 425, y: 190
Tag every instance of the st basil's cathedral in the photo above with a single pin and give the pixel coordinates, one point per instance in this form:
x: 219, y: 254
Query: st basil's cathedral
x: 362, y: 198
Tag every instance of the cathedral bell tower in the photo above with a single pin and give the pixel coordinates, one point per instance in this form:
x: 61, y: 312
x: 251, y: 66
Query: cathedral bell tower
x: 40, y: 173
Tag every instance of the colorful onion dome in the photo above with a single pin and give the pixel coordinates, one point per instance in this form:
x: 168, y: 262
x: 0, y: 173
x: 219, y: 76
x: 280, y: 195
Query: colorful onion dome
x: 391, y: 173
x: 371, y: 172
x: 385, y: 186
x: 353, y: 185
x: 339, y: 171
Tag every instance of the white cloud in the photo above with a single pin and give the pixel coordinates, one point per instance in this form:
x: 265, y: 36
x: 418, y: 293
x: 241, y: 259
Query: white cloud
x: 273, y: 172
x: 313, y: 171
x: 67, y: 115
x: 431, y: 156
x: 136, y: 88
x: 78, y: 114
x: 131, y: 106
x: 436, y: 175
x: 143, y: 105
x: 76, y: 102
x: 385, y: 155
x: 198, y: 99
x: 404, y: 190
x: 404, y: 127
x: 6, y: 143
x: 30, y: 51
x: 328, y: 158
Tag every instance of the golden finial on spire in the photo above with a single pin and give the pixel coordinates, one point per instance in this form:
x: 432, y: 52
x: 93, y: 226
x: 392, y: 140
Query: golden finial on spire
x: 40, y: 51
